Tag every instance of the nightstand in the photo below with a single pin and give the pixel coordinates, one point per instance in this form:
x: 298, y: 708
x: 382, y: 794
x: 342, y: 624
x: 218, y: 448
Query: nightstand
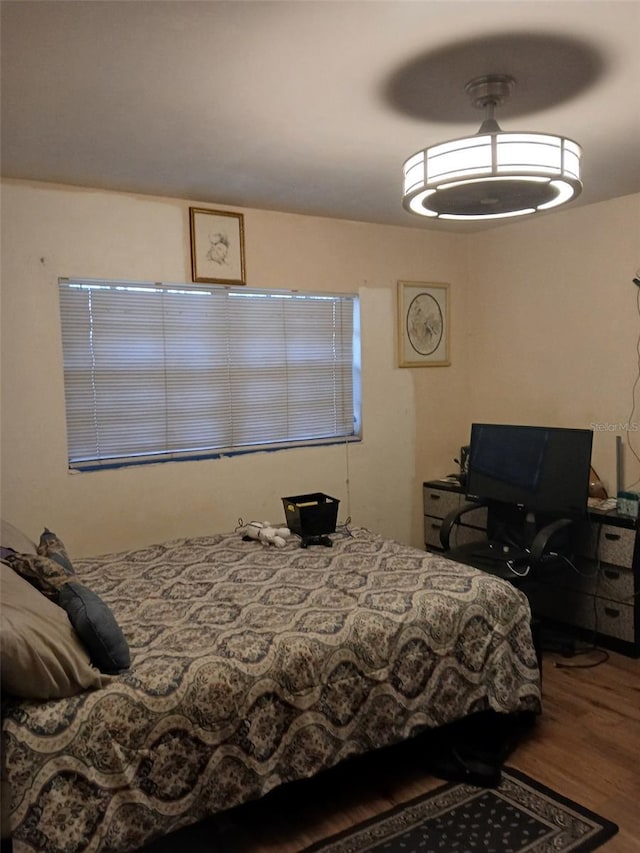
x: 440, y: 497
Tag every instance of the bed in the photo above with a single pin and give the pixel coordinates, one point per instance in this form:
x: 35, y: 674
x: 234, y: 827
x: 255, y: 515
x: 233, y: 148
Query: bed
x: 254, y: 666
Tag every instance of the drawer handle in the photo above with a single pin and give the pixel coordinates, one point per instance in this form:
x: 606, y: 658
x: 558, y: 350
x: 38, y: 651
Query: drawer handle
x: 435, y: 497
x: 611, y: 612
x: 609, y: 573
x: 612, y: 537
x: 435, y: 526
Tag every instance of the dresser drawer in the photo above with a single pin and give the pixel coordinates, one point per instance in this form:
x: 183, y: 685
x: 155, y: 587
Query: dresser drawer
x: 614, y: 582
x: 432, y: 527
x: 605, y: 581
x: 613, y: 619
x: 610, y: 618
x: 609, y: 544
x: 439, y: 502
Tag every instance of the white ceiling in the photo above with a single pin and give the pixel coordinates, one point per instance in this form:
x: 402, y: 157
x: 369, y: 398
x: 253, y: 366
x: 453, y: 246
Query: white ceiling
x: 308, y: 107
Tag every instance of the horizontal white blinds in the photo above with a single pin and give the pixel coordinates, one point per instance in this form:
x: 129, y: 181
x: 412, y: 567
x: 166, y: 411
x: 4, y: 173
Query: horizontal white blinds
x: 155, y: 372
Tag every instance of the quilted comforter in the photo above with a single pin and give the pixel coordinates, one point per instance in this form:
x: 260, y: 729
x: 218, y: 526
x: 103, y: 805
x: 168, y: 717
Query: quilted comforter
x: 253, y: 666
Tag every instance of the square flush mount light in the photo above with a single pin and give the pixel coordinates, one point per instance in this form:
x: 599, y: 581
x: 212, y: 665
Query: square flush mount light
x: 494, y: 174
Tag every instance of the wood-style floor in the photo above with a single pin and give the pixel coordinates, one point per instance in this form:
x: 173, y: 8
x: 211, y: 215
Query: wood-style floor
x: 587, y: 742
x: 586, y: 746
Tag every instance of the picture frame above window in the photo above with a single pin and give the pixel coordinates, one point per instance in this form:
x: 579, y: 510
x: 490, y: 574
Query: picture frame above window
x: 217, y: 246
x: 423, y: 324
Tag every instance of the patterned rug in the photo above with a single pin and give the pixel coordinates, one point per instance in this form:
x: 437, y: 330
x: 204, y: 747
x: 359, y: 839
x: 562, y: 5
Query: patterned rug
x: 520, y: 814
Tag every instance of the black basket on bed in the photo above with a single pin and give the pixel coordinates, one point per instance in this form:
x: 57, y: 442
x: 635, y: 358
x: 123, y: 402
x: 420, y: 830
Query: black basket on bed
x: 312, y: 517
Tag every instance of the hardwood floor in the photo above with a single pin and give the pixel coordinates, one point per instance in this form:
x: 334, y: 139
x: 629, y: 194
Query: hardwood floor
x: 586, y: 746
x: 587, y: 743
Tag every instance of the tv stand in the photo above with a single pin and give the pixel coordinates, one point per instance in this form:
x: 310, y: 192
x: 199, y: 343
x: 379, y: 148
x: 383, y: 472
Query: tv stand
x: 596, y: 599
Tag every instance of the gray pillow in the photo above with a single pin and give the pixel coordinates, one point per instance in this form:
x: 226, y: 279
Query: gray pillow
x: 96, y: 626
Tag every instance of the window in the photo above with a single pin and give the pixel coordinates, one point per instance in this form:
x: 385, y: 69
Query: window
x: 158, y: 372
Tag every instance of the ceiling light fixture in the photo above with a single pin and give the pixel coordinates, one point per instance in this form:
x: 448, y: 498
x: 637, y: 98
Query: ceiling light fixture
x: 494, y: 174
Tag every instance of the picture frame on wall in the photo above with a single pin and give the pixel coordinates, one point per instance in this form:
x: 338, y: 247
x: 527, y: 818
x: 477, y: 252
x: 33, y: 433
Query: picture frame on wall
x: 423, y: 324
x: 217, y: 246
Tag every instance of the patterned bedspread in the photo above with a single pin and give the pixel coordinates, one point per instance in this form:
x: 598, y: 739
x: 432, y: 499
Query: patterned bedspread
x: 253, y: 666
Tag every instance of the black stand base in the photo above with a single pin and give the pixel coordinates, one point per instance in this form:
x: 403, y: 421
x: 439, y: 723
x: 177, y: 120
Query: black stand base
x: 316, y: 540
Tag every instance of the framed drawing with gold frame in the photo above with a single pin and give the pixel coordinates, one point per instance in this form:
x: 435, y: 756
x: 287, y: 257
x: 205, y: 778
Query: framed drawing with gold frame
x: 423, y: 324
x: 217, y: 246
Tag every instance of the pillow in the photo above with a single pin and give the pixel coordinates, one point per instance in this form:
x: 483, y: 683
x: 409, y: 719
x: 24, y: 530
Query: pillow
x: 52, y: 547
x: 16, y: 540
x: 45, y: 573
x: 96, y: 626
x: 40, y: 654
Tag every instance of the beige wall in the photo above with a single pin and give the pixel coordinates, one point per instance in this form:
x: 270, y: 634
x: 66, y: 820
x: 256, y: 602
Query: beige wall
x: 544, y: 329
x: 552, y: 326
x: 50, y: 231
x: 548, y: 329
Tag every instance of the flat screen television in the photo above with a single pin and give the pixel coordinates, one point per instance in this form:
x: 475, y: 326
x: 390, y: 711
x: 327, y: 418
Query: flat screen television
x: 540, y: 469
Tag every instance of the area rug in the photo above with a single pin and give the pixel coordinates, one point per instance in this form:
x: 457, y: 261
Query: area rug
x: 519, y: 815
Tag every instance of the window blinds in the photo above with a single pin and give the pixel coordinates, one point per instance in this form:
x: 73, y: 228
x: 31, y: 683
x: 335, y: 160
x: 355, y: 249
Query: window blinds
x: 158, y: 372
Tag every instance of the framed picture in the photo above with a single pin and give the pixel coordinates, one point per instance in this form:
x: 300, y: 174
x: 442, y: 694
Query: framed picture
x: 217, y: 246
x: 423, y: 324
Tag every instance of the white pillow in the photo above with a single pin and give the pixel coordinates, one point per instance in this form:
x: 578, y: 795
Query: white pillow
x: 41, y: 655
x: 15, y: 539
